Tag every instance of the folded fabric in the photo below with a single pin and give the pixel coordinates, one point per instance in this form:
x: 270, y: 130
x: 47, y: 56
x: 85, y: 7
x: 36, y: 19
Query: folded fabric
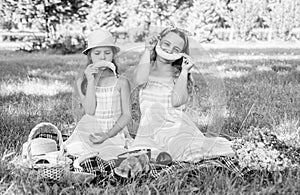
x: 112, y: 169
x: 135, y: 153
x: 51, y: 136
x: 132, y: 166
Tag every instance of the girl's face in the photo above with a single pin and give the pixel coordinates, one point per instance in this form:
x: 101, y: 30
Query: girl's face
x: 172, y: 43
x: 102, y: 53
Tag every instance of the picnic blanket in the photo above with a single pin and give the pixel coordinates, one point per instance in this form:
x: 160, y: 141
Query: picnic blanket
x: 104, y: 170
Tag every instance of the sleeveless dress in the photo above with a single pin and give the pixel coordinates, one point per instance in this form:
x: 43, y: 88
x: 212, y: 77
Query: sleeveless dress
x: 108, y: 110
x: 169, y: 129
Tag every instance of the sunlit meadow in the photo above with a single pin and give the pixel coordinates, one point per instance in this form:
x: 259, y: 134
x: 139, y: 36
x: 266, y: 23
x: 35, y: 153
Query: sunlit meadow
x: 260, y: 92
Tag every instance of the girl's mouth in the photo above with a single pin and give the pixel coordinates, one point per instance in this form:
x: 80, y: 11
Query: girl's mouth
x: 166, y: 55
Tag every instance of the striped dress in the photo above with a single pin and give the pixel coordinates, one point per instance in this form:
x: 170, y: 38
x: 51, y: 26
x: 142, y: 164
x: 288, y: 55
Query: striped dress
x: 108, y: 110
x: 166, y: 128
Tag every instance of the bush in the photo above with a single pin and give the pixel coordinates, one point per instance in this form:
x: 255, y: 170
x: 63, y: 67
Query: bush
x: 66, y: 45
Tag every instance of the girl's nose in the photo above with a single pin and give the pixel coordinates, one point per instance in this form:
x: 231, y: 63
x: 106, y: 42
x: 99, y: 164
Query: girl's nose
x: 167, y: 49
x: 102, y: 56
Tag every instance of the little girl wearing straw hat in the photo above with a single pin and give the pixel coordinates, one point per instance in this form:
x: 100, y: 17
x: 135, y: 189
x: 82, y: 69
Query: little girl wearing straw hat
x: 105, y: 98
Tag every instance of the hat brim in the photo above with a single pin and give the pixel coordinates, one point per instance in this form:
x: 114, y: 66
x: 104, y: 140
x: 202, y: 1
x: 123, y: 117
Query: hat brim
x: 117, y: 48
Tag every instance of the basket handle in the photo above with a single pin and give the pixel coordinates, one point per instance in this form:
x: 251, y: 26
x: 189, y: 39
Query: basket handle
x: 34, y: 130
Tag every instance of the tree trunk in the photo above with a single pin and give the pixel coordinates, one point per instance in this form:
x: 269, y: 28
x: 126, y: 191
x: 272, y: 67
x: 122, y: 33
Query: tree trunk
x: 231, y: 34
x: 270, y: 33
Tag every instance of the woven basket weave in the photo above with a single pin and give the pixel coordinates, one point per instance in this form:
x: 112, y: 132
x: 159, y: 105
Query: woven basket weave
x: 51, y: 165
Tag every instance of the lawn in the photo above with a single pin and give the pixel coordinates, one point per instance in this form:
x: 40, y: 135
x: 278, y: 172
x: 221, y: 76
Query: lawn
x: 262, y: 93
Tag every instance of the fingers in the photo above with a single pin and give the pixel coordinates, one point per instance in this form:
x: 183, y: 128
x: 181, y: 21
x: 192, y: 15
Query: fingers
x: 98, y: 138
x: 184, y: 55
x: 153, y: 38
x: 152, y: 41
x: 92, y: 69
x: 92, y: 138
x: 187, y: 56
x: 99, y: 134
x: 95, y: 139
x: 187, y: 62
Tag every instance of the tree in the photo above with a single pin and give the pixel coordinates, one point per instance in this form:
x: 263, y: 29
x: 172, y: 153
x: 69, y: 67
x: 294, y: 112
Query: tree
x: 8, y: 16
x: 165, y: 9
x: 243, y: 15
x: 45, y: 15
x: 142, y: 14
x: 282, y: 17
x: 109, y: 14
x: 202, y: 19
x: 181, y: 14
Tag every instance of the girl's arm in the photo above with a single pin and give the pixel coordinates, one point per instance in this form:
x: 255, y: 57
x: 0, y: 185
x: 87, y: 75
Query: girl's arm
x: 143, y: 68
x: 89, y: 99
x: 180, y: 92
x: 125, y: 117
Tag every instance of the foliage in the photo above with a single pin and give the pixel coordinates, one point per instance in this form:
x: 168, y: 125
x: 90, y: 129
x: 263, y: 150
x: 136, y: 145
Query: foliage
x: 179, y: 18
x: 241, y: 16
x: 142, y: 15
x: 66, y: 44
x: 246, y: 20
x: 260, y: 149
x: 202, y: 19
x: 107, y: 14
x: 288, y: 131
x: 282, y: 17
x: 51, y: 16
x: 47, y: 15
x: 8, y: 16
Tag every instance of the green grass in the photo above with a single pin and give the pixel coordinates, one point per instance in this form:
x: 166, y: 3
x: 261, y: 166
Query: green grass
x: 254, y: 98
x: 258, y: 51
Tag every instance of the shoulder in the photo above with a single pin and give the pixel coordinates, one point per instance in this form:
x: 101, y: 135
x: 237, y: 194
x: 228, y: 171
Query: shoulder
x: 79, y: 78
x: 123, y: 83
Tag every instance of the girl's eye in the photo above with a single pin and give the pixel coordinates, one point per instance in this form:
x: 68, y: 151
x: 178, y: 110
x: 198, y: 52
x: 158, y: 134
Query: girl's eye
x: 107, y: 52
x: 97, y: 53
x: 176, y: 50
x: 166, y: 43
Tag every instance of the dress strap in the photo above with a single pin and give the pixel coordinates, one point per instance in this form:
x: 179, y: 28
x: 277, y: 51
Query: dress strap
x: 116, y: 82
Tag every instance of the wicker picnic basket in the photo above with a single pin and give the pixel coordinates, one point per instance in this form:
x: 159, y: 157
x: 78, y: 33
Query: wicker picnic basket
x: 49, y: 165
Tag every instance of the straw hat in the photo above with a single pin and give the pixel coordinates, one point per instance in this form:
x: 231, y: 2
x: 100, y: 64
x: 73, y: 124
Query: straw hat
x: 39, y: 146
x: 100, y: 38
x: 43, y: 146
